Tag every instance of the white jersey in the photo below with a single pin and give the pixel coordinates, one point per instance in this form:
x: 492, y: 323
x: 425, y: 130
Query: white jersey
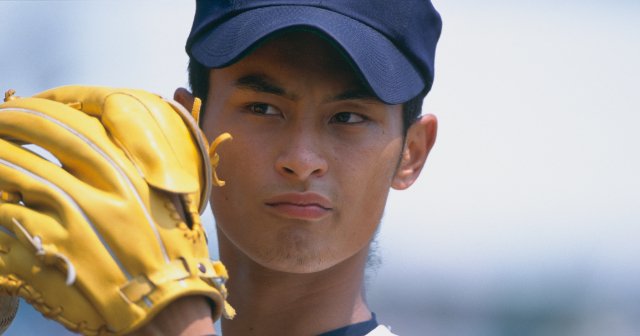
x: 381, y: 331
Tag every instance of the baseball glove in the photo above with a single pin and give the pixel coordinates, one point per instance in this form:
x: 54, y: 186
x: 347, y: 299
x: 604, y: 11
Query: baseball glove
x: 102, y: 230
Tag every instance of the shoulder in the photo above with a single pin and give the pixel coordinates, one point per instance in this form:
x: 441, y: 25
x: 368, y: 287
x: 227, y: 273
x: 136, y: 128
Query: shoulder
x: 381, y: 330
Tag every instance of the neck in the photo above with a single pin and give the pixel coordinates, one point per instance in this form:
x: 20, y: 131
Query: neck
x: 271, y: 302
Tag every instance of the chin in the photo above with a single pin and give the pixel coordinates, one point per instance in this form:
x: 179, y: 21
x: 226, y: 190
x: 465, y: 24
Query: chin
x: 297, y: 264
x: 297, y: 257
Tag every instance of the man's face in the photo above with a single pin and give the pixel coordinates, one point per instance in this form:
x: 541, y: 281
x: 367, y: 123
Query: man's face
x: 312, y: 157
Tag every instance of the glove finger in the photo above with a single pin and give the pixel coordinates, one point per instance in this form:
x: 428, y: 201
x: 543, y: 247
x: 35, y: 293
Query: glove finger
x: 27, y: 177
x: 78, y: 141
x: 42, y: 235
x: 39, y: 183
x: 31, y: 246
x: 21, y: 240
x: 54, y: 139
x: 150, y: 131
x: 48, y: 187
x: 46, y: 258
x: 70, y: 204
x: 59, y: 199
x: 23, y: 273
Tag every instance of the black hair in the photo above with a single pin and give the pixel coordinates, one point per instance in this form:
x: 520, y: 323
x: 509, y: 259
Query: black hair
x: 199, y: 82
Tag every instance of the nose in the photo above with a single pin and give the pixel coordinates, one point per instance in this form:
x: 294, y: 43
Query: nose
x: 302, y: 158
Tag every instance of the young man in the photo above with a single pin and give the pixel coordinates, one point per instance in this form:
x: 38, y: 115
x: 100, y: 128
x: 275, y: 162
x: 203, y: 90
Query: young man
x: 323, y: 101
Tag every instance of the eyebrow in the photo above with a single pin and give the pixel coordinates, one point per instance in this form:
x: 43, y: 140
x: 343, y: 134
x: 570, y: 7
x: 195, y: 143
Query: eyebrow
x: 262, y: 83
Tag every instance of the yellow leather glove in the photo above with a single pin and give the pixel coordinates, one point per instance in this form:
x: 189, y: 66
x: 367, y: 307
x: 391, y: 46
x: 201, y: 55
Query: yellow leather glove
x: 110, y: 236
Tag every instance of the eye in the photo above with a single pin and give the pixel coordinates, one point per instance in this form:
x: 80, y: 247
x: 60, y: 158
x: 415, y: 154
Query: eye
x: 347, y: 118
x: 263, y: 108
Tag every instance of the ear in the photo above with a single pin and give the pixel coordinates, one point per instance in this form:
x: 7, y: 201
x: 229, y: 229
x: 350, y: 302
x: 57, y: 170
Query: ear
x: 184, y: 97
x: 420, y: 139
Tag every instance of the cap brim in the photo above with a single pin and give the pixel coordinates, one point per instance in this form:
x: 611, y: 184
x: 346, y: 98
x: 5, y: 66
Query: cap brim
x: 387, y: 71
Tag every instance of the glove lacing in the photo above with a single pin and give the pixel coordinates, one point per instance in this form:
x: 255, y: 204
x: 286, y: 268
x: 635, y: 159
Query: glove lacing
x: 49, y: 254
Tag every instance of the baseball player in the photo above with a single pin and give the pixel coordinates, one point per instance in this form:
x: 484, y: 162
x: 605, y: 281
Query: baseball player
x: 323, y: 101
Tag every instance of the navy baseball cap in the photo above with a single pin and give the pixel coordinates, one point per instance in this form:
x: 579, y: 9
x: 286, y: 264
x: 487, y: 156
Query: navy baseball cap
x: 391, y: 43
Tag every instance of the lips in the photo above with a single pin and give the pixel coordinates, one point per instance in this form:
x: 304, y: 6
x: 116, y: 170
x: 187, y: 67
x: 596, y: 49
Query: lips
x: 305, y: 206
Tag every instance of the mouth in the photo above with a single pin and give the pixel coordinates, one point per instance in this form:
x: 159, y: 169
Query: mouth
x: 305, y: 206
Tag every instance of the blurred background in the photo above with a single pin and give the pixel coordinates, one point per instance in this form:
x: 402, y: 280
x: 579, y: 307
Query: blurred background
x: 526, y: 219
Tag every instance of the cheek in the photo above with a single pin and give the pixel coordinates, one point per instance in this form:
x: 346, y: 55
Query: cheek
x: 236, y: 205
x: 365, y: 183
x: 243, y: 162
x: 239, y: 166
x: 371, y: 166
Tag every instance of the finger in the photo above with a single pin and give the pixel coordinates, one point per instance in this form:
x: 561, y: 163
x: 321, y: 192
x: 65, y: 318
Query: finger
x: 184, y: 97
